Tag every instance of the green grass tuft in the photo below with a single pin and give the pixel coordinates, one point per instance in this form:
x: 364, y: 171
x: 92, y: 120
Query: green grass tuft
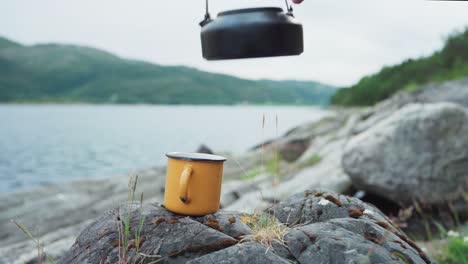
x: 456, y: 252
x: 412, y: 87
x: 313, y: 160
x: 251, y: 174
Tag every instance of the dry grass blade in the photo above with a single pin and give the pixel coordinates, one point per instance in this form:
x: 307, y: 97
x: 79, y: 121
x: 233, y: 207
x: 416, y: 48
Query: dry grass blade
x: 40, y: 248
x: 263, y: 138
x: 124, y: 225
x: 266, y: 229
x: 160, y: 258
x: 277, y: 168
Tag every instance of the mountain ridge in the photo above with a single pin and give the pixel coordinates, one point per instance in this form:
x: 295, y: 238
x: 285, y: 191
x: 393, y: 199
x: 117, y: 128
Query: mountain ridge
x: 70, y: 73
x: 449, y: 63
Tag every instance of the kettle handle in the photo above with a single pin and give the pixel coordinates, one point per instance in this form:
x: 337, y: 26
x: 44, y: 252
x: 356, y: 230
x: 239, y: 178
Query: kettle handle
x: 208, y: 19
x: 289, y: 8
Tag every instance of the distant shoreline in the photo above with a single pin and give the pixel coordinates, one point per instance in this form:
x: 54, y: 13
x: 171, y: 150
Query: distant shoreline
x: 149, y: 104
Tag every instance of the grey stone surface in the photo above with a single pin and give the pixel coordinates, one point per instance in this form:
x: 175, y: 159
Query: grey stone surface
x: 233, y: 190
x: 451, y: 91
x: 227, y: 222
x: 319, y: 206
x: 318, y: 167
x: 421, y: 147
x: 293, y: 149
x: 56, y: 214
x: 174, y: 238
x: 370, y: 117
x: 340, y: 230
x: 333, y: 228
x: 326, y: 174
x: 249, y: 252
x: 350, y: 241
x: 249, y: 203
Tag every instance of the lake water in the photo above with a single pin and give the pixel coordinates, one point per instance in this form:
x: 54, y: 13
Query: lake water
x: 43, y: 144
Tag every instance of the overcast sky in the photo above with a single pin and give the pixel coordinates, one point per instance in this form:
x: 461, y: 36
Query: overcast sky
x: 344, y: 39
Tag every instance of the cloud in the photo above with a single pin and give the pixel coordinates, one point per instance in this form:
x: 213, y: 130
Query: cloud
x: 344, y: 40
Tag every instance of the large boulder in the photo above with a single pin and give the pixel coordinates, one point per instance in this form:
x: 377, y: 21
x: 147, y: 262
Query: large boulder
x: 419, y: 153
x: 318, y: 228
x: 455, y: 91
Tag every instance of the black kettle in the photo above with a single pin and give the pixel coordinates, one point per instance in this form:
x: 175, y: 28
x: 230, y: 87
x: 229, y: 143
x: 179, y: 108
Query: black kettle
x: 251, y: 33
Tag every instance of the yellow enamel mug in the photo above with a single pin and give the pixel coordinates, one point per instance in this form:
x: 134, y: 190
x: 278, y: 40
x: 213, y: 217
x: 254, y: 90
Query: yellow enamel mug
x: 193, y: 183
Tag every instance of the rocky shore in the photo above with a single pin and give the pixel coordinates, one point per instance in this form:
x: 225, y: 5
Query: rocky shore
x: 408, y: 155
x: 304, y: 228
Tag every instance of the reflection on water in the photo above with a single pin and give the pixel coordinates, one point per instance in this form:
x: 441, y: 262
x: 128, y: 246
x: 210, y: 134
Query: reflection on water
x: 42, y: 144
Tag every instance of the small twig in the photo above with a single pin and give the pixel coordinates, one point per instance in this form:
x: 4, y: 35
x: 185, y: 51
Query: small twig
x: 150, y: 256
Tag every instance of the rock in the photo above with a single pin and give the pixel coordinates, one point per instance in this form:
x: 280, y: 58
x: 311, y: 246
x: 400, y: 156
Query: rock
x: 420, y: 152
x: 227, y: 222
x: 351, y: 241
x: 64, y: 211
x: 249, y: 203
x: 293, y: 149
x: 350, y: 231
x: 262, y: 145
x: 242, y: 253
x: 451, y: 91
x: 324, y: 126
x: 318, y: 167
x: 75, y: 205
x: 174, y: 237
x: 382, y: 110
x: 324, y: 222
x: 56, y: 244
x: 326, y: 173
x: 295, y: 142
x: 204, y: 149
x: 233, y: 190
x: 319, y: 206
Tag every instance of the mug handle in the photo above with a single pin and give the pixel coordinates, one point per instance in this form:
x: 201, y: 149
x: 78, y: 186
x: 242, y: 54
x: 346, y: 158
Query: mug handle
x: 183, y: 184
